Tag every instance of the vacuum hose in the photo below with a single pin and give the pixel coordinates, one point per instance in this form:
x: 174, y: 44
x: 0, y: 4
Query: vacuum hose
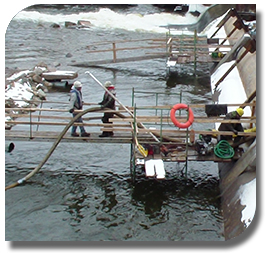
x: 34, y: 171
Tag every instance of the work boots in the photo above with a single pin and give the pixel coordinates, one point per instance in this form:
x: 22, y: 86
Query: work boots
x: 106, y: 134
x: 85, y: 134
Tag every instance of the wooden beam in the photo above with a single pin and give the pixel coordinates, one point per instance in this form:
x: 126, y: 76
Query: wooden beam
x: 51, y: 123
x: 124, y: 41
x: 154, y: 119
x: 249, y: 99
x: 127, y: 59
x: 239, y: 167
x: 125, y: 48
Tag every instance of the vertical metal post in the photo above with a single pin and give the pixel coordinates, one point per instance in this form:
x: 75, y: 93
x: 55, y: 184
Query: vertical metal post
x: 132, y: 162
x: 186, y: 154
x: 180, y: 101
x: 132, y: 97
x: 135, y: 133
x: 157, y: 103
x: 134, y: 120
x: 39, y: 118
x: 161, y: 126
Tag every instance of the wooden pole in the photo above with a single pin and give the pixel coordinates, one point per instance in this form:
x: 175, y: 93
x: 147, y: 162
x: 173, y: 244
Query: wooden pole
x: 118, y: 101
x: 230, y: 69
x: 106, y: 90
x: 114, y: 52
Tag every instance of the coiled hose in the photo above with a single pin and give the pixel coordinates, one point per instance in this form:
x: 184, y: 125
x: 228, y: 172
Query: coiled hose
x: 224, y: 150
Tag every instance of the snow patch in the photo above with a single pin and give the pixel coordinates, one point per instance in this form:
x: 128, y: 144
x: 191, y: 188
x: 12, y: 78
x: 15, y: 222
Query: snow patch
x: 231, y: 89
x: 19, y: 91
x: 247, y: 195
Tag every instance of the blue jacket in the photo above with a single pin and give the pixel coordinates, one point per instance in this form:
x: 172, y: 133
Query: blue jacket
x: 75, y: 99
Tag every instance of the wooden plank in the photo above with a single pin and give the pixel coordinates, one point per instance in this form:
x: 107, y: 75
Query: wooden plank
x: 179, y: 133
x: 150, y: 119
x: 125, y: 41
x: 125, y: 48
x: 38, y: 116
x: 60, y: 110
x: 38, y: 109
x: 143, y: 119
x: 164, y: 107
x: 240, y: 166
x: 116, y: 129
x: 48, y: 123
x: 47, y: 136
x: 190, y: 105
x: 118, y: 60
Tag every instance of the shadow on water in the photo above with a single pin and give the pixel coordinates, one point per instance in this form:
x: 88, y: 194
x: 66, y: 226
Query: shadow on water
x: 177, y: 78
x: 109, y: 207
x: 153, y: 194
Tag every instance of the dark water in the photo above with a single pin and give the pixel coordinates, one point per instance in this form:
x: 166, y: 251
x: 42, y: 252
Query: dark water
x: 84, y: 191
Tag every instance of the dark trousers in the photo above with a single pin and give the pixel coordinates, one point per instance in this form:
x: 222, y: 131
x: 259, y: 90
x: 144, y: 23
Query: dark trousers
x: 238, y: 127
x: 105, y: 119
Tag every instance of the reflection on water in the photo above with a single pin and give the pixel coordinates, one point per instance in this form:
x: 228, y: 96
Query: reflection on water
x: 183, y: 209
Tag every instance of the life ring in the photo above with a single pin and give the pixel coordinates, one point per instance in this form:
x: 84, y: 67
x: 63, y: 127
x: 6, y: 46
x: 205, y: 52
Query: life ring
x: 175, y: 121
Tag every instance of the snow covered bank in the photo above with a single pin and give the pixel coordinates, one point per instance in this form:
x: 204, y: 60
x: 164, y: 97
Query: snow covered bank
x: 247, y: 195
x: 19, y: 93
x: 21, y: 90
x: 28, y: 87
x: 231, y: 89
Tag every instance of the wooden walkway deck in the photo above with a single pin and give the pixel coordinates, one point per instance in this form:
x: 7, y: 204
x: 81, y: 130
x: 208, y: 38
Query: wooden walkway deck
x: 35, y: 126
x: 177, y: 154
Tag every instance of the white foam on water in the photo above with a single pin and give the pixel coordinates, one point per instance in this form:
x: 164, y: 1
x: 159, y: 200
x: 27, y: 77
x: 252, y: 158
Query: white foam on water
x: 106, y: 18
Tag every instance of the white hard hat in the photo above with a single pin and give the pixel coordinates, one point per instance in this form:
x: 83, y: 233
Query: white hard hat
x: 108, y: 84
x: 77, y: 84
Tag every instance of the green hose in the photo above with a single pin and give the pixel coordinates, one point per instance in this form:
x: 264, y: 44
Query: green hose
x: 224, y: 150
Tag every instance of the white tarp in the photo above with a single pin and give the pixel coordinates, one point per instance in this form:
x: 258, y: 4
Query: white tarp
x: 155, y: 168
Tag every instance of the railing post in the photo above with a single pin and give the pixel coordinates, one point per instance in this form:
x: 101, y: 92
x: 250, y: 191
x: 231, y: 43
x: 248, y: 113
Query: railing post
x: 114, y: 51
x: 161, y: 125
x: 132, y: 97
x: 30, y: 125
x: 186, y: 152
x: 157, y: 103
x: 39, y: 118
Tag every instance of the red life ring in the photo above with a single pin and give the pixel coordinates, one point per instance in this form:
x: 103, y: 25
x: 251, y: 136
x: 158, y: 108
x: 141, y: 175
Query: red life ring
x: 175, y: 121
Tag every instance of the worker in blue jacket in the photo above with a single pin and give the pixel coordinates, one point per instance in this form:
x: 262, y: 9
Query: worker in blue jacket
x: 76, y: 103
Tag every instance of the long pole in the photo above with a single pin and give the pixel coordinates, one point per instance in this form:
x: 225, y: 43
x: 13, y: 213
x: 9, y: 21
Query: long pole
x: 106, y: 90
x: 118, y: 101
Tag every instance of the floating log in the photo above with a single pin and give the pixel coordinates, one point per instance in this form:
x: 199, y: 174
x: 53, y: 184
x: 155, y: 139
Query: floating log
x: 59, y: 75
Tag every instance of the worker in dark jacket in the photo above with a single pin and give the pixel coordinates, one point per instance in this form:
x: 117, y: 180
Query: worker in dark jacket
x: 108, y: 102
x: 76, y: 103
x: 234, y: 127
